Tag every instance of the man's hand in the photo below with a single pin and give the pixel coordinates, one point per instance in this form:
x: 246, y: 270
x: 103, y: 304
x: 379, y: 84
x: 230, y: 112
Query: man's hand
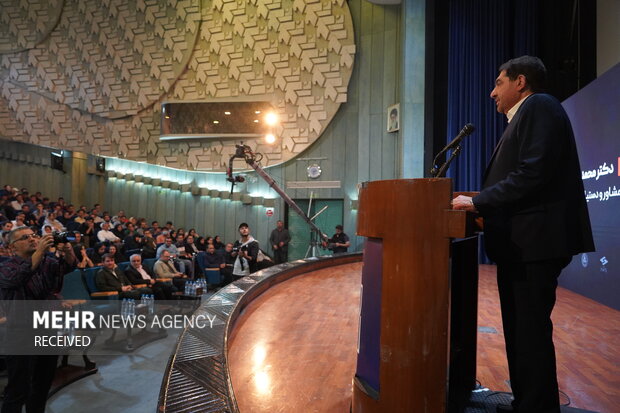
x: 281, y: 243
x: 126, y: 288
x: 275, y: 247
x: 43, y: 245
x: 464, y: 203
x: 222, y: 265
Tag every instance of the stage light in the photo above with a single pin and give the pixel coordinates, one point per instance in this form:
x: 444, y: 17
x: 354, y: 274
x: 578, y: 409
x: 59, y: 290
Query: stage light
x: 271, y: 118
x: 226, y: 113
x: 216, y: 121
x: 270, y: 138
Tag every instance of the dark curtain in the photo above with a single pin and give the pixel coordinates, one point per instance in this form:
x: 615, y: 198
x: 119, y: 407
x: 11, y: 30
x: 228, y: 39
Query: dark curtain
x: 483, y: 34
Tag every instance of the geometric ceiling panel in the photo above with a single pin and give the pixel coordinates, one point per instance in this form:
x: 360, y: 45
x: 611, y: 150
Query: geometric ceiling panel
x: 96, y: 84
x: 24, y: 23
x: 111, y: 58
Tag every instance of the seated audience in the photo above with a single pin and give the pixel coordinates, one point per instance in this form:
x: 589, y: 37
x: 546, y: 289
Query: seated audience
x: 217, y: 243
x: 83, y: 260
x: 54, y: 223
x: 137, y: 274
x: 201, y: 244
x: 213, y: 259
x: 185, y: 266
x: 164, y: 268
x: 98, y: 252
x: 190, y: 248
x: 118, y: 256
x: 149, y: 247
x: 88, y: 231
x: 111, y: 278
x: 105, y: 235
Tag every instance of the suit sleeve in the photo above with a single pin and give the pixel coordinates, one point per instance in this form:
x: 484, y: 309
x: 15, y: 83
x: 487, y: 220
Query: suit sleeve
x: 540, y: 131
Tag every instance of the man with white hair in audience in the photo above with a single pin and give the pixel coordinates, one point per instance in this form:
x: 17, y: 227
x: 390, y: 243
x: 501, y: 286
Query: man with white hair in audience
x: 105, y: 235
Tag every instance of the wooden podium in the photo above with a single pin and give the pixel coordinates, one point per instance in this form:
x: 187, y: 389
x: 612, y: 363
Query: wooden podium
x: 415, y: 352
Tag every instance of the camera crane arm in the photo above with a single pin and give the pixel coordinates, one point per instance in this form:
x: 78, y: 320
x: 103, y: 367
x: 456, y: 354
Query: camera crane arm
x: 252, y: 159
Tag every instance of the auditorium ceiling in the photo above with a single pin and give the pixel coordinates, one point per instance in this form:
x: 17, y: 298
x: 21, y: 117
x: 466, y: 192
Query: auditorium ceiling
x: 91, y: 75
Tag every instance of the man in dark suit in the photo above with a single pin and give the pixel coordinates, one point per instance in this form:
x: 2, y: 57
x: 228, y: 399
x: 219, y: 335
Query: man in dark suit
x: 111, y: 278
x: 535, y: 220
x: 137, y: 274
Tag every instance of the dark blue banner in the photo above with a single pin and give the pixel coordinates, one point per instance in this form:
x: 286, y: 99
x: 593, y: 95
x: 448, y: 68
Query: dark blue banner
x: 595, y: 115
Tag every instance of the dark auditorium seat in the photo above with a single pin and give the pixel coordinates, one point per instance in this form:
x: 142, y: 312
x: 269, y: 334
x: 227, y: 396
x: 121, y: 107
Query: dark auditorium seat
x: 213, y: 276
x: 89, y: 278
x: 148, y: 264
x: 123, y: 265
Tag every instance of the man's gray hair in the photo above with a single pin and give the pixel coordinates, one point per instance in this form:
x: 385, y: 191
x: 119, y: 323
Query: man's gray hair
x: 12, y: 235
x: 135, y: 255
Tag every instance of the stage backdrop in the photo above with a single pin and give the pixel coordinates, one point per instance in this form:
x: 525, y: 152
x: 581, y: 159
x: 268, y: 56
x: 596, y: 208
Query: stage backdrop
x: 594, y: 113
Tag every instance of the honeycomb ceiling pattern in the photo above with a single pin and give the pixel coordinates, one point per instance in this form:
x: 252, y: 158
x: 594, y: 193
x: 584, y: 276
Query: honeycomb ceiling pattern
x: 96, y: 81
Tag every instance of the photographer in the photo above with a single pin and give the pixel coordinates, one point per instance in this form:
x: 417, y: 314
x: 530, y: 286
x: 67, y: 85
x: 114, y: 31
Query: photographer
x: 246, y: 252
x: 31, y: 274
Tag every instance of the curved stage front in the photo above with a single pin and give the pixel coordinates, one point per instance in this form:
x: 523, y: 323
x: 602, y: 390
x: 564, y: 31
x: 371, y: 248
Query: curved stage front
x: 274, y: 346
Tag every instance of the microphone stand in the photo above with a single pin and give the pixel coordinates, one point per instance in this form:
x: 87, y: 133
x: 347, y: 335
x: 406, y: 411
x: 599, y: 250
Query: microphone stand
x: 444, y: 168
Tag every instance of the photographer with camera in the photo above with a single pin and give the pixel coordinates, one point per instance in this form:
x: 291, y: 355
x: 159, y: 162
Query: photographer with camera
x: 246, y: 252
x: 31, y: 274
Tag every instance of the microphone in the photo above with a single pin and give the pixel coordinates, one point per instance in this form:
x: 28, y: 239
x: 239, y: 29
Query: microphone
x: 468, y: 129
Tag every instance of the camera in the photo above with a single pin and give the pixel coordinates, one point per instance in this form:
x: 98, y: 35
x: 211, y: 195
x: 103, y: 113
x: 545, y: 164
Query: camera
x: 64, y: 237
x: 242, y: 248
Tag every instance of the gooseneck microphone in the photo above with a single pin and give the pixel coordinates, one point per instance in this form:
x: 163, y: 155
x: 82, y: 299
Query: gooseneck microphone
x: 467, y: 130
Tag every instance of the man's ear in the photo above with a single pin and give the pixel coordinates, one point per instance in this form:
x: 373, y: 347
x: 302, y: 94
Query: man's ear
x: 522, y: 85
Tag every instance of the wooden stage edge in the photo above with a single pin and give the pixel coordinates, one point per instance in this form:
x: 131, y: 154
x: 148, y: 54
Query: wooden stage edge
x: 197, y: 377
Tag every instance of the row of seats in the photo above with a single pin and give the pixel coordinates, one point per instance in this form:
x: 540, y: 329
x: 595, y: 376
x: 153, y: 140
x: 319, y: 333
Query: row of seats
x: 80, y: 284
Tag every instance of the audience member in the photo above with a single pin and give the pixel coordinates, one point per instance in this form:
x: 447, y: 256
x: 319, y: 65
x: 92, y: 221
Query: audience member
x: 164, y: 268
x: 149, y: 247
x: 84, y: 260
x: 185, y: 266
x: 105, y: 235
x: 118, y: 256
x: 217, y: 243
x: 137, y: 274
x: 54, y: 223
x: 98, y: 252
x: 111, y: 278
x: 229, y: 262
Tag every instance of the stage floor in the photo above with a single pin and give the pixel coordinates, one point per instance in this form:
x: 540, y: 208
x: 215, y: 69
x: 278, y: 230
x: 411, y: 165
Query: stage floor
x: 294, y: 347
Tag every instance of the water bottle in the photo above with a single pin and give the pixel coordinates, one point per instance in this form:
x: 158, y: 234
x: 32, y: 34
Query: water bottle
x: 151, y: 304
x: 124, y: 308
x: 71, y: 330
x: 132, y: 308
x: 143, y: 299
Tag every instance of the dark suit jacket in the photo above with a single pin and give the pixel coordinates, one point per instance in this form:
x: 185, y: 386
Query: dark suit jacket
x: 108, y: 281
x: 532, y: 199
x: 135, y: 277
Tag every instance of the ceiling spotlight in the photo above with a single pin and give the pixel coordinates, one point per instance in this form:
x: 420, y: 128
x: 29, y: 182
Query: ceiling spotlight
x: 227, y: 113
x: 271, y: 118
x: 270, y: 138
x: 216, y: 121
x: 255, y: 120
x: 257, y: 112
